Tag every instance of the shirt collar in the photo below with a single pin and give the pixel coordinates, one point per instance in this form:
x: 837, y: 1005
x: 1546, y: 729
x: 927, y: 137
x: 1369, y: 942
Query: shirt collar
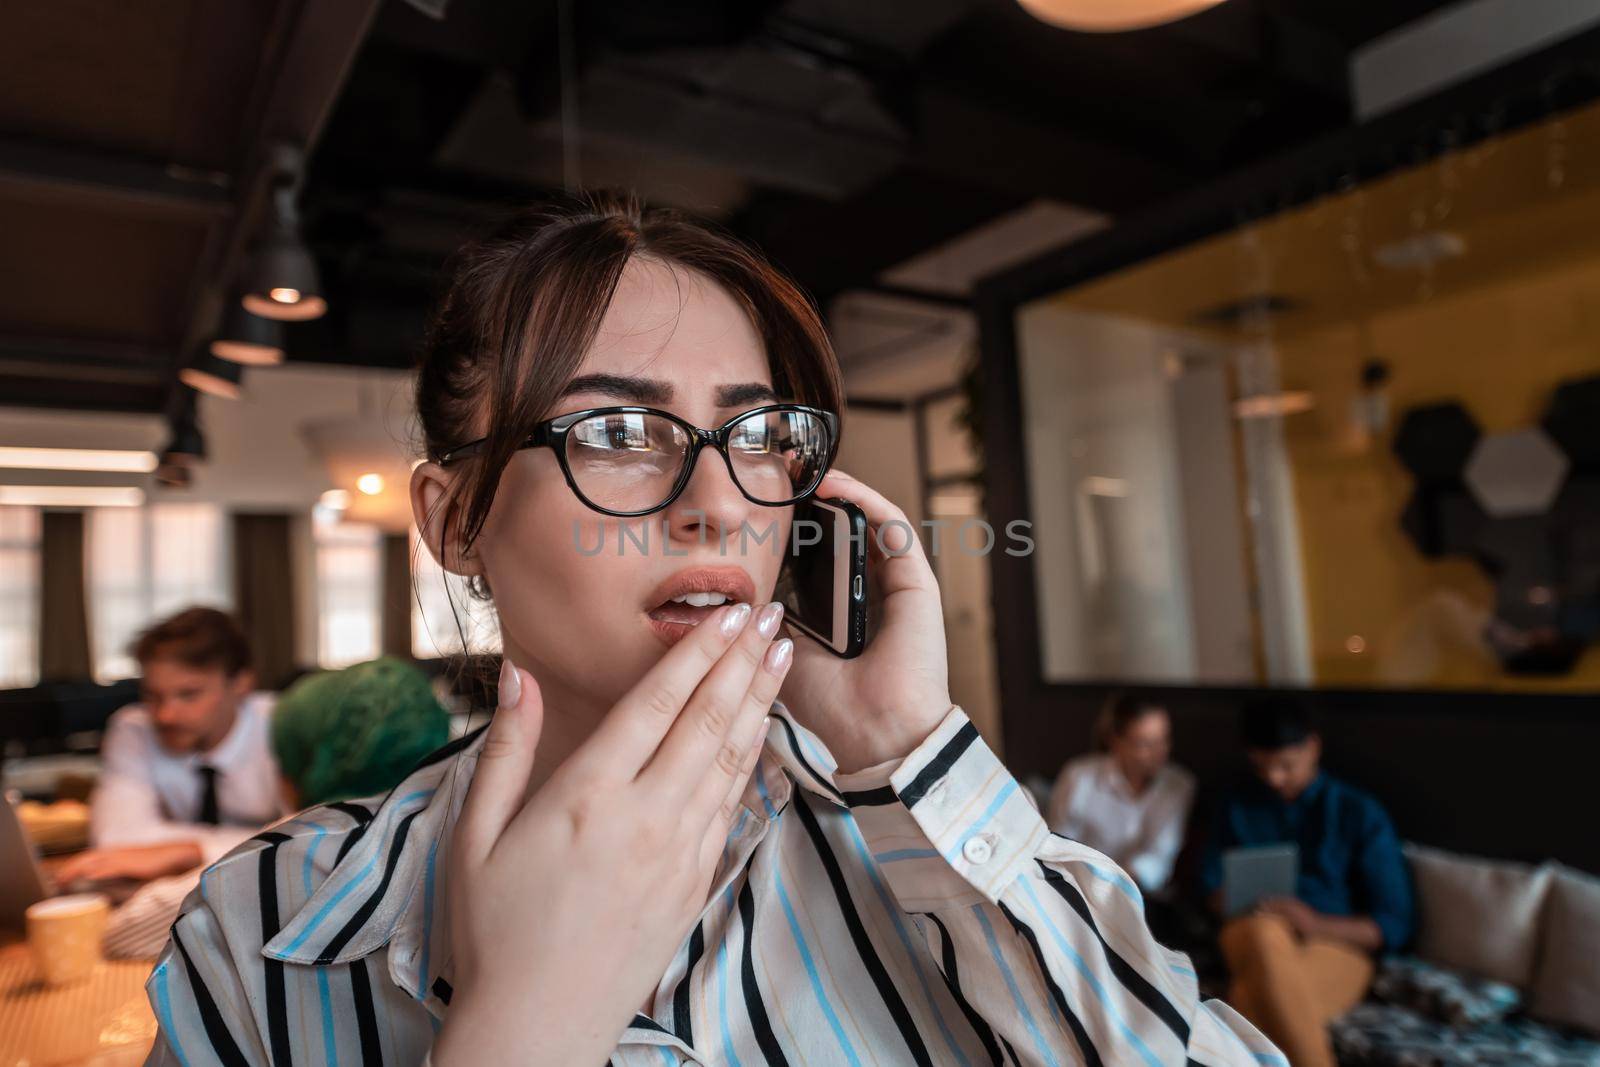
x: 387, y: 890
x: 1312, y: 791
x: 235, y: 747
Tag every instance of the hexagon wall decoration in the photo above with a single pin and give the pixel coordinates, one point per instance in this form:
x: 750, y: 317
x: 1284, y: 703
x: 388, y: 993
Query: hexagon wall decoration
x: 1525, y: 506
x: 1516, y: 473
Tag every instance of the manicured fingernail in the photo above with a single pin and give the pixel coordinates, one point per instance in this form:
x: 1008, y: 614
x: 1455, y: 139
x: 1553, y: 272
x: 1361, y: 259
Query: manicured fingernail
x: 734, y: 618
x: 510, y: 684
x: 767, y: 624
x: 778, y: 656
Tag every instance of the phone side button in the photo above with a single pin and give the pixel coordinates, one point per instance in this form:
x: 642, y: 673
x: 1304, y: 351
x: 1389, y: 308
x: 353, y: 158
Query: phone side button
x: 858, y: 587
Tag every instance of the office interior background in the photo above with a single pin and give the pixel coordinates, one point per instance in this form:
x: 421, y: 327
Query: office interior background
x: 1278, y: 320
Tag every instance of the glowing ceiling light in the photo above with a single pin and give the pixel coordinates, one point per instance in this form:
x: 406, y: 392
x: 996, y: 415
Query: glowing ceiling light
x: 72, y: 496
x: 1112, y: 16
x: 370, y: 484
x: 78, y: 459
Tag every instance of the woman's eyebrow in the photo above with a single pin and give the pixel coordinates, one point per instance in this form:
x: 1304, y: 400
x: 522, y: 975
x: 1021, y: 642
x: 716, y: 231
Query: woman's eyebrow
x: 621, y: 386
x: 636, y: 390
x: 729, y: 396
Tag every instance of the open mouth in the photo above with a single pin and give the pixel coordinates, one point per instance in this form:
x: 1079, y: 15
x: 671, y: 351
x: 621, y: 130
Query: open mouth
x: 684, y: 600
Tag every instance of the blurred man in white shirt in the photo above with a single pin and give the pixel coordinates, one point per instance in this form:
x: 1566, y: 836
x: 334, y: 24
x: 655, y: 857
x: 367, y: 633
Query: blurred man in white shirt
x: 1127, y: 800
x: 187, y: 773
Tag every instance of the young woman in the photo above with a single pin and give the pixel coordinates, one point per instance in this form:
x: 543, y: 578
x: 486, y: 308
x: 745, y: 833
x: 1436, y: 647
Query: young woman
x: 645, y: 857
x: 1127, y: 799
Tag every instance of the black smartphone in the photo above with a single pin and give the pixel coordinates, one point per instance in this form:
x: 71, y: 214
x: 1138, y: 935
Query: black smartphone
x: 824, y: 591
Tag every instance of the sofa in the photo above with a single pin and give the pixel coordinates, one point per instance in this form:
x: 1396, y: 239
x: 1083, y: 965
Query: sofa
x: 1505, y: 970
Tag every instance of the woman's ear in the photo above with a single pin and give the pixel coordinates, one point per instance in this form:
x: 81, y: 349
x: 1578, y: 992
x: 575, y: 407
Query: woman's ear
x: 433, y: 507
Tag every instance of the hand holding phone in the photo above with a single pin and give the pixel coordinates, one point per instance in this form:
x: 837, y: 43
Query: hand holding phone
x: 825, y: 591
x: 879, y: 705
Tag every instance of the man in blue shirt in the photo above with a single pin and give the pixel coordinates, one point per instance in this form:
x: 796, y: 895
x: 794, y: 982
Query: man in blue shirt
x: 1298, y: 962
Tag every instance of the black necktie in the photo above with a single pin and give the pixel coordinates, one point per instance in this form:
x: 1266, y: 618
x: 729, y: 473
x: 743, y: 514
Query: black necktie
x: 208, y: 795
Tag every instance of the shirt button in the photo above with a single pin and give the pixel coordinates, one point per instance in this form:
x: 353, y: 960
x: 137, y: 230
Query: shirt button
x: 977, y: 850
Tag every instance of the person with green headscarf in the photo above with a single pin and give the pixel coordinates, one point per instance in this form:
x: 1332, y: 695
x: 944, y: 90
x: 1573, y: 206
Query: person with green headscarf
x: 354, y: 732
x: 336, y: 735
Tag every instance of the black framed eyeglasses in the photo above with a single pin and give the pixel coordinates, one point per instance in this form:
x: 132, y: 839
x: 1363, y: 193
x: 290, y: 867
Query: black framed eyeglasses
x: 628, y: 461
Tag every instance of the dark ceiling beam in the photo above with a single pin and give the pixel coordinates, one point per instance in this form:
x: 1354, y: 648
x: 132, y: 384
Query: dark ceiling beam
x: 1274, y: 43
x: 96, y: 394
x: 126, y: 185
x: 87, y: 352
x: 922, y: 296
x: 830, y: 247
x: 317, y: 50
x: 997, y: 145
x: 82, y: 373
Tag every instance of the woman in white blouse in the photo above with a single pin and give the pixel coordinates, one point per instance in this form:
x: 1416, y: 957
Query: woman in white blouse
x: 1127, y: 800
x: 647, y: 858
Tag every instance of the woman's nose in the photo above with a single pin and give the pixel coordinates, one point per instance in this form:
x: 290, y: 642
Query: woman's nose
x: 710, y: 508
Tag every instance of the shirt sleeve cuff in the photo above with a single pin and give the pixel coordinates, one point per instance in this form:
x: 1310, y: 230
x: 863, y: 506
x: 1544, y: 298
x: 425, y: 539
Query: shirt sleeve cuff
x: 948, y: 824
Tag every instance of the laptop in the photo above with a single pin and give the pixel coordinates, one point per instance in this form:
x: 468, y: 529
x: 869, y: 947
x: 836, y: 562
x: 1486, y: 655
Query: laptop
x: 1251, y: 875
x: 22, y: 880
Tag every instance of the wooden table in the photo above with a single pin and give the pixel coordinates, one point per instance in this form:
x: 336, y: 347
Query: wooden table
x: 104, y: 1021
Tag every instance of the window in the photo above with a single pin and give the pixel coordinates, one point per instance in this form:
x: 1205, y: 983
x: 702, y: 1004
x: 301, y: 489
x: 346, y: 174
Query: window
x: 19, y: 597
x: 349, y: 559
x: 145, y: 564
x: 442, y: 611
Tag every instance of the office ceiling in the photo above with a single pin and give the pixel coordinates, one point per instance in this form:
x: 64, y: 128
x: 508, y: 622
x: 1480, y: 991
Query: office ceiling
x: 845, y: 138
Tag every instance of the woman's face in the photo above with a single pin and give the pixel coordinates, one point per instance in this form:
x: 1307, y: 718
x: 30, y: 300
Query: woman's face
x: 584, y: 608
x: 1143, y: 747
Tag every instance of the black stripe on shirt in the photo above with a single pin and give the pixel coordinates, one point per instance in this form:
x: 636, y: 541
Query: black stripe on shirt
x: 759, y: 1023
x: 222, y: 1042
x: 1091, y: 1057
x: 794, y: 746
x: 682, y: 1017
x: 939, y: 766
x: 445, y: 751
x: 366, y: 1015
x: 370, y: 905
x: 362, y: 817
x: 870, y: 798
x: 858, y: 933
x: 644, y: 1022
x: 359, y: 812
x: 952, y: 978
x: 1132, y: 980
x: 277, y: 1002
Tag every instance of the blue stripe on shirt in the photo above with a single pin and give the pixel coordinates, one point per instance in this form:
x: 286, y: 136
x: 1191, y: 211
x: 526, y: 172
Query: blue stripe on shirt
x: 1106, y: 1002
x: 349, y: 886
x: 983, y: 820
x: 1011, y: 983
x: 164, y: 1006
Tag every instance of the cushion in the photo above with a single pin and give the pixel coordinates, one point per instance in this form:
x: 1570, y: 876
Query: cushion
x: 1566, y: 987
x: 1441, y: 994
x: 1385, y: 1035
x: 1478, y: 916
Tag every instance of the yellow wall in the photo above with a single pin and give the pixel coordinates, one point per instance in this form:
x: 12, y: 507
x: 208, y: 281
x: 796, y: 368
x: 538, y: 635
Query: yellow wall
x: 1497, y: 350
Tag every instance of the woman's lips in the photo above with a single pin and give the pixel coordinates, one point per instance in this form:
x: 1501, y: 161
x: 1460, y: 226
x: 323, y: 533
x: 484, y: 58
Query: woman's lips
x: 672, y: 618
x: 672, y: 622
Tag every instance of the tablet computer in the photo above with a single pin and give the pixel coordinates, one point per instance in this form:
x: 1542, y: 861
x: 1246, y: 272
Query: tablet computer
x: 1250, y: 875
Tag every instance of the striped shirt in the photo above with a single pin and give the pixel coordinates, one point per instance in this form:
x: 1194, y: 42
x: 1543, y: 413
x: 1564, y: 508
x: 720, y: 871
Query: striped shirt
x: 914, y: 913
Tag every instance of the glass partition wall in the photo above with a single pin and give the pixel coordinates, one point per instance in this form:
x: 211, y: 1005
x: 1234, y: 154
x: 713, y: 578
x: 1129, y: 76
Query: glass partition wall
x: 1353, y: 444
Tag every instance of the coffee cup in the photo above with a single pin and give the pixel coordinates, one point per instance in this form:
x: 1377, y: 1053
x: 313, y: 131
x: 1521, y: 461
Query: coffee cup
x: 64, y: 934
